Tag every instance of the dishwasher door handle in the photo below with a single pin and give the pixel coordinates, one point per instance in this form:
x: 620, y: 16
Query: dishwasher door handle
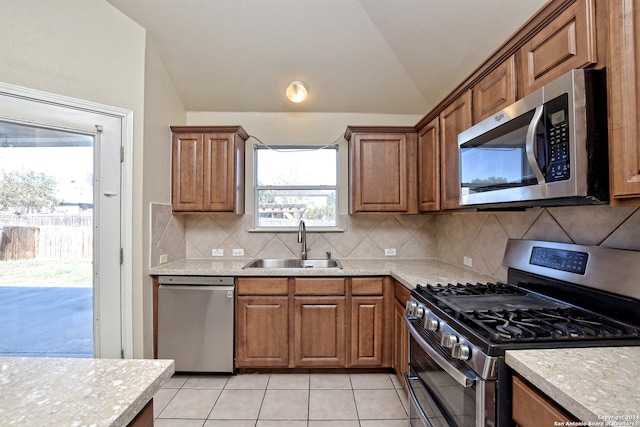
x: 228, y: 288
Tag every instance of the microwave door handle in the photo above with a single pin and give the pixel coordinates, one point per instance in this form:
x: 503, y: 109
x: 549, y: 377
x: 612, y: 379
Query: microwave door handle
x: 531, y: 146
x: 457, y: 375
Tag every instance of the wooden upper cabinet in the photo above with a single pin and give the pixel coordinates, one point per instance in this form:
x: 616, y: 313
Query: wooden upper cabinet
x: 567, y: 42
x: 623, y: 84
x: 429, y: 167
x: 497, y: 90
x: 382, y: 169
x: 455, y: 118
x: 207, y: 171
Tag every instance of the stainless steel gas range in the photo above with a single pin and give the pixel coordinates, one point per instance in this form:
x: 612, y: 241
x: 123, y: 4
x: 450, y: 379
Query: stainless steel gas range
x: 558, y: 295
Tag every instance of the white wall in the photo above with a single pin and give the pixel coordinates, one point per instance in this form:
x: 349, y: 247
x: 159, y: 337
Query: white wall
x: 162, y: 109
x: 84, y: 49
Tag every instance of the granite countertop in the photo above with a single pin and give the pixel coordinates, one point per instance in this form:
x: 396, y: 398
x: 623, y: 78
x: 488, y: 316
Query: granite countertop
x: 407, y: 272
x: 597, y: 385
x: 77, y: 392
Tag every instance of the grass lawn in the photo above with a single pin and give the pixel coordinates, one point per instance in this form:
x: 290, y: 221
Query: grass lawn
x: 50, y: 272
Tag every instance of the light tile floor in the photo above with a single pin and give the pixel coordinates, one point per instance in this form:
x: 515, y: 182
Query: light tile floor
x: 282, y: 400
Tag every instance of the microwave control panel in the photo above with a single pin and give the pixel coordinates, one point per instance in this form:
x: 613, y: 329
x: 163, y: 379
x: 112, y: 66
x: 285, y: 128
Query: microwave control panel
x: 559, y: 168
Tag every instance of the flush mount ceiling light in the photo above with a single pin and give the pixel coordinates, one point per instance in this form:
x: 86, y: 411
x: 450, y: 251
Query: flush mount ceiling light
x: 296, y: 91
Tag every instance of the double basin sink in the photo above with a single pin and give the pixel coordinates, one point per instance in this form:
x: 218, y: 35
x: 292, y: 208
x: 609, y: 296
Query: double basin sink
x: 293, y: 263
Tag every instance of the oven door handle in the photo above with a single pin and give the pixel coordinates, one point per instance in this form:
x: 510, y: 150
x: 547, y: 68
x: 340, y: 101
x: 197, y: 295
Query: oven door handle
x: 458, y: 376
x: 416, y: 404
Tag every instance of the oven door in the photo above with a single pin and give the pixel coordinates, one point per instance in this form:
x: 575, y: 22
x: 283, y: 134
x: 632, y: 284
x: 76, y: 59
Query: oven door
x: 443, y: 393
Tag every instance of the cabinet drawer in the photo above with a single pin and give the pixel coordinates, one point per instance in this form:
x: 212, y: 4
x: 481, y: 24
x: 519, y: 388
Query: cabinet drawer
x: 531, y: 408
x: 319, y: 286
x: 262, y: 286
x: 366, y: 286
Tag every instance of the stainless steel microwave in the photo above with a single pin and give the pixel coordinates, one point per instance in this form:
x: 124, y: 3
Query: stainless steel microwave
x: 547, y: 149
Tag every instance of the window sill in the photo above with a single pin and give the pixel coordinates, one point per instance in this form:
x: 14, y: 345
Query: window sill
x: 295, y: 230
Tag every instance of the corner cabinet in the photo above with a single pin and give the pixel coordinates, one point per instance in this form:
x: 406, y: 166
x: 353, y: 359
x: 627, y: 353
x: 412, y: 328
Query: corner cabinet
x: 623, y: 84
x: 207, y: 169
x: 382, y: 169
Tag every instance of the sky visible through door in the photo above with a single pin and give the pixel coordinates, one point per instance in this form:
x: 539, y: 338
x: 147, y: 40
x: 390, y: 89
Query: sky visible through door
x: 46, y: 242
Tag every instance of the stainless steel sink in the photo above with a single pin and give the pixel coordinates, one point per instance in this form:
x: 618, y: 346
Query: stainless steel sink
x: 293, y: 263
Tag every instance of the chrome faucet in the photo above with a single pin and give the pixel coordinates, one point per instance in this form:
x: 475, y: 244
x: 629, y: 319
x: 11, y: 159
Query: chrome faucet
x: 302, y: 238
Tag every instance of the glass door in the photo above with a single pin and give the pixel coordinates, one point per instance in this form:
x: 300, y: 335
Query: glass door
x: 46, y: 242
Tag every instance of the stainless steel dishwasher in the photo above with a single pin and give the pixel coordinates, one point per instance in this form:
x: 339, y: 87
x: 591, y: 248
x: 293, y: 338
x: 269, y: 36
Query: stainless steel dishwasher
x: 196, y: 322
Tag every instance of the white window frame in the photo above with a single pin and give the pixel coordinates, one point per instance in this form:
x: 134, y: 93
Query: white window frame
x: 257, y: 188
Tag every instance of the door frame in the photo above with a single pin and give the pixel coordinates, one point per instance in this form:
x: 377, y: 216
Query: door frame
x: 126, y: 189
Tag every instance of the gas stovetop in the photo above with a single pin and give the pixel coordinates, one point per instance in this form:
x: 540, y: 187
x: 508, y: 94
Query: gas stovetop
x: 501, y: 313
x: 559, y: 295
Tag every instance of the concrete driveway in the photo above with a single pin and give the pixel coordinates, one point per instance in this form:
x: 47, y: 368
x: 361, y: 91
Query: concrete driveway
x: 46, y: 321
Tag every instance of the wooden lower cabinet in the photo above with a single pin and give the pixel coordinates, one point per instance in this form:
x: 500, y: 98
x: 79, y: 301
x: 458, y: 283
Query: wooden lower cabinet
x: 320, y: 335
x: 367, y: 331
x: 400, y: 333
x: 314, y: 322
x: 533, y: 409
x: 262, y: 331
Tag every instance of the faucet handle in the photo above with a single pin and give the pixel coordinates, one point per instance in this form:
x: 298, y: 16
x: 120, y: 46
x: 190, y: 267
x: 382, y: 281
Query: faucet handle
x: 328, y: 254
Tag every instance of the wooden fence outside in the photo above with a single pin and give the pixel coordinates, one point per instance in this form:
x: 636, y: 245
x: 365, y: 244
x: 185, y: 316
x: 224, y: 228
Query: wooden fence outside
x: 55, y: 237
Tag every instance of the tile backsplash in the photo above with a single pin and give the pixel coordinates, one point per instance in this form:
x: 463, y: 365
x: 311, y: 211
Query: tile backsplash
x: 450, y: 237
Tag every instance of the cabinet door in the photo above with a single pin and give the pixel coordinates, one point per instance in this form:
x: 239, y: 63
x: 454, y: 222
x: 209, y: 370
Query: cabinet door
x: 219, y: 174
x: 367, y: 316
x: 497, y: 90
x: 379, y: 173
x: 320, y: 336
x: 401, y: 342
x: 568, y: 42
x: 453, y: 120
x: 262, y: 331
x: 532, y: 409
x: 186, y: 172
x: 623, y: 84
x: 429, y: 167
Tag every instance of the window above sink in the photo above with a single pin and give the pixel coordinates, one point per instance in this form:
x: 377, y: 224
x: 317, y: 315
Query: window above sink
x: 293, y: 183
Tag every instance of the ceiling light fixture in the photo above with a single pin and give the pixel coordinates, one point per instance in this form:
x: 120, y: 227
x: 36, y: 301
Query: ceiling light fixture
x: 296, y: 91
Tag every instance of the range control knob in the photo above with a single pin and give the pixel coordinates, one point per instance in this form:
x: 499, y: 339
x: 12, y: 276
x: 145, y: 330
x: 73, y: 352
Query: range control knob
x: 411, y: 306
x: 419, y: 311
x: 460, y: 351
x: 431, y: 324
x: 448, y: 340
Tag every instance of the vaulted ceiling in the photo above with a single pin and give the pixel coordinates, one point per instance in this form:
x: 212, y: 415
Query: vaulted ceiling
x: 369, y: 56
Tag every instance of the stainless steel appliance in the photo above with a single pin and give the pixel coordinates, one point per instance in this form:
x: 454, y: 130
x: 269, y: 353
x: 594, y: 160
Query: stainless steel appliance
x: 549, y: 148
x: 196, y: 322
x: 558, y: 295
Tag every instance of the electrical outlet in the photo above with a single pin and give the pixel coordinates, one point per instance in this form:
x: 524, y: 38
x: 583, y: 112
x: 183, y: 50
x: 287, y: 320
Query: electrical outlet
x: 467, y: 261
x: 217, y: 252
x: 238, y: 252
x: 390, y: 252
x: 164, y: 258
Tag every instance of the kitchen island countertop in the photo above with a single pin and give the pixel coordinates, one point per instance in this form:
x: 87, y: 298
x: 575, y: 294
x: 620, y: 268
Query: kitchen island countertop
x: 77, y: 392
x: 597, y: 385
x: 409, y: 272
